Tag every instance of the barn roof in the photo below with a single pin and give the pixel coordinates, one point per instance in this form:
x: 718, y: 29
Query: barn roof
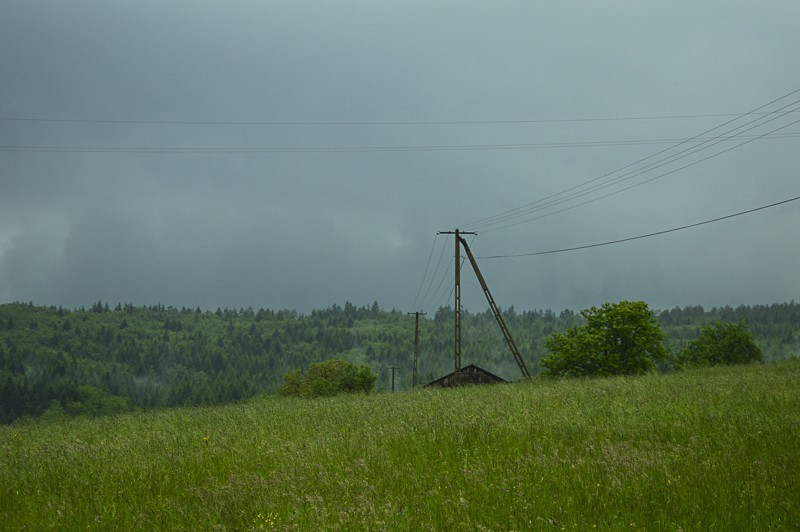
x: 471, y: 374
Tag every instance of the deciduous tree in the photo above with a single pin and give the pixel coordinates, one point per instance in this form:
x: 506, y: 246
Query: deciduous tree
x: 721, y: 343
x: 617, y: 339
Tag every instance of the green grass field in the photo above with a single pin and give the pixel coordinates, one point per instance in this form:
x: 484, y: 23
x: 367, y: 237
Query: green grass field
x: 715, y: 449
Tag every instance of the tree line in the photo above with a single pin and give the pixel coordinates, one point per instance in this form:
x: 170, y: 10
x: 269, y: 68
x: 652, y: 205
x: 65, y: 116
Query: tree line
x: 56, y: 361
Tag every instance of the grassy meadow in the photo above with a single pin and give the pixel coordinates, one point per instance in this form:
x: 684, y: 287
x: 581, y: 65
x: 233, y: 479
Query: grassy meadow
x: 710, y: 449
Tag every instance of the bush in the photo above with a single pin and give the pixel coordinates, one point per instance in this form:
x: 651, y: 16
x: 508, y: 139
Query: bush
x: 94, y: 401
x: 720, y: 343
x: 328, y: 378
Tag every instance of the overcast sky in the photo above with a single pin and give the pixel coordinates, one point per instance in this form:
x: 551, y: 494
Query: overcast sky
x: 292, y: 154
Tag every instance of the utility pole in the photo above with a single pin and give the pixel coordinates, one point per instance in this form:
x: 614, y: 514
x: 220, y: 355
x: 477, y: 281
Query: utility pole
x: 457, y: 291
x: 416, y: 347
x: 393, y: 370
x: 495, y: 310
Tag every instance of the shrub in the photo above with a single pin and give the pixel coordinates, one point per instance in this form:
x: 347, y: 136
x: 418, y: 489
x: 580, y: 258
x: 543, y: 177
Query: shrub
x: 94, y: 401
x: 328, y: 378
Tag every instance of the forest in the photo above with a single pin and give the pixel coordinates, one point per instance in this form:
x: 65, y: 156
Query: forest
x: 56, y: 362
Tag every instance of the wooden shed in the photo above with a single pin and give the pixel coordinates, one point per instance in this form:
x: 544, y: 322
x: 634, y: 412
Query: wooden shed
x: 471, y: 374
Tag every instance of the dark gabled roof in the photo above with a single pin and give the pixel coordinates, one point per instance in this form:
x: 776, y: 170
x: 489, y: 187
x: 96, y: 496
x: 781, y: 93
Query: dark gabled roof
x: 471, y: 374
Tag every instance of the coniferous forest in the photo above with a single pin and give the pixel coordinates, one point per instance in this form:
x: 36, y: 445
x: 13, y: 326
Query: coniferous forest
x: 56, y: 362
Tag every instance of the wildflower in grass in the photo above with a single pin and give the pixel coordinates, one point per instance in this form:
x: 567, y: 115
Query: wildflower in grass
x: 265, y: 521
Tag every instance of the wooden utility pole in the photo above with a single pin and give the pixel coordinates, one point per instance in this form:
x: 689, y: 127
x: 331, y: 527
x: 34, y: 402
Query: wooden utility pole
x: 416, y: 347
x: 457, y: 291
x: 492, y: 305
x: 393, y: 370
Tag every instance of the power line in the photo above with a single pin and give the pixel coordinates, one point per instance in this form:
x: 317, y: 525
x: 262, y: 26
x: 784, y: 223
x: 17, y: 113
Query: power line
x: 444, y: 276
x: 423, y: 302
x: 536, y: 205
x: 555, y: 200
x: 367, y: 149
x: 354, y: 123
x: 452, y: 287
x: 616, y: 181
x: 563, y: 250
x: 425, y: 275
x: 428, y: 301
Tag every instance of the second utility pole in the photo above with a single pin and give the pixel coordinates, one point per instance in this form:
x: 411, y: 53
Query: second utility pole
x: 393, y: 368
x: 416, y: 347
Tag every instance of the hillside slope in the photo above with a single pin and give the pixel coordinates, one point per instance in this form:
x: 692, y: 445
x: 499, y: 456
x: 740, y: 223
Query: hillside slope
x: 704, y: 449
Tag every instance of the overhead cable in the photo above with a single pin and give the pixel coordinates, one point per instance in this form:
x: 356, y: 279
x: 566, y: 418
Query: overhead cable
x: 428, y: 300
x: 554, y: 198
x: 674, y: 170
x: 674, y: 229
x: 574, y: 192
x: 368, y: 149
x: 452, y: 286
x: 352, y: 123
x: 425, y: 275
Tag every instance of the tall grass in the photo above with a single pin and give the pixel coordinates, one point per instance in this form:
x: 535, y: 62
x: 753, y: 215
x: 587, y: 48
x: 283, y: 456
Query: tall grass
x: 706, y: 449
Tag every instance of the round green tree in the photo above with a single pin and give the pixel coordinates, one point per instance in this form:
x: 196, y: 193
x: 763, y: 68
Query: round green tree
x: 616, y: 339
x: 721, y: 343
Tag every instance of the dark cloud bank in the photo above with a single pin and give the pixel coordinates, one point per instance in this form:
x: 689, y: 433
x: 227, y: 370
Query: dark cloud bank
x: 221, y: 226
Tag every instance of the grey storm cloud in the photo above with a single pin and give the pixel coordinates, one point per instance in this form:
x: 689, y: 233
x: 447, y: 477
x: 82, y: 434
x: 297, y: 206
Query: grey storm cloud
x: 301, y: 154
